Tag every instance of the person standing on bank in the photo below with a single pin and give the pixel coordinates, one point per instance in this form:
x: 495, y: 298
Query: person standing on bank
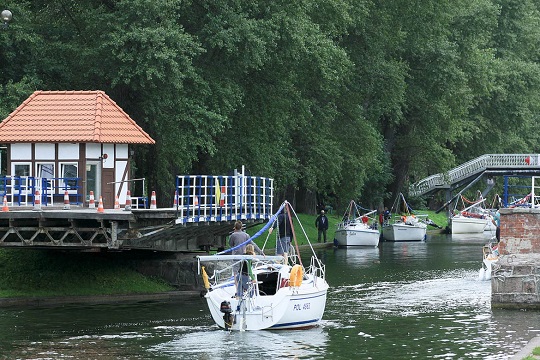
x: 285, y: 234
x: 321, y: 223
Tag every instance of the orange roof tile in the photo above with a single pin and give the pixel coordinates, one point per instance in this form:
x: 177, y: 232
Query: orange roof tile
x: 71, y: 116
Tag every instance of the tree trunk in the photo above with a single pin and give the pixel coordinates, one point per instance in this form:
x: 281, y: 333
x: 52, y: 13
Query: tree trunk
x: 306, y: 202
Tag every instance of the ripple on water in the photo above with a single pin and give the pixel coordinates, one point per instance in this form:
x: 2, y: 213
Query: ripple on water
x: 221, y: 344
x: 436, y: 293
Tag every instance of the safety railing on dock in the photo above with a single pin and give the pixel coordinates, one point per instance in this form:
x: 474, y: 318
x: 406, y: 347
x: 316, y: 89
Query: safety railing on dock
x: 223, y: 198
x: 521, y: 191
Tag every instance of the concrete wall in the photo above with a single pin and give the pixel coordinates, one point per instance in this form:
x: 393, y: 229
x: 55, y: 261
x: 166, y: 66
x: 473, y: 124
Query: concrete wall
x: 180, y: 271
x: 515, y: 281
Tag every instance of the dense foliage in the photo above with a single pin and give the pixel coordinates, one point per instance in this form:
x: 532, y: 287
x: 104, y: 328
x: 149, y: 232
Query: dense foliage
x: 334, y: 99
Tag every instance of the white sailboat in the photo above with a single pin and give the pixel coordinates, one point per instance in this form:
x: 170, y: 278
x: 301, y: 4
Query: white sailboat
x: 355, y: 229
x: 280, y: 293
x: 472, y: 219
x: 404, y: 227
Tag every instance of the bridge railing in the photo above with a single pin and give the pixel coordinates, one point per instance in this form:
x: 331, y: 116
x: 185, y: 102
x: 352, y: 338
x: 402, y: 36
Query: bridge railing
x: 475, y: 166
x: 223, y: 198
x: 21, y: 190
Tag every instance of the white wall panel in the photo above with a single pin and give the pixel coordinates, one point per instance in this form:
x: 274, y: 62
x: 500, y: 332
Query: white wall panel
x: 108, y: 149
x: 122, y: 151
x: 21, y: 151
x: 45, y: 151
x: 68, y: 151
x: 93, y: 151
x: 118, y: 174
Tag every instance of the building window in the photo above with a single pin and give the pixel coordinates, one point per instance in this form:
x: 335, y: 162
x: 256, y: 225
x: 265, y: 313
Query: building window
x: 45, y: 171
x: 69, y: 173
x: 21, y: 169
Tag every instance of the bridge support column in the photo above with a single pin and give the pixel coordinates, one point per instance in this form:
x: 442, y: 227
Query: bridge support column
x: 449, y: 211
x: 115, y: 243
x: 515, y: 281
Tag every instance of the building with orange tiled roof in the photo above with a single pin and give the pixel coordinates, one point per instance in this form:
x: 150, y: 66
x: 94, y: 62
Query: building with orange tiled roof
x: 56, y: 139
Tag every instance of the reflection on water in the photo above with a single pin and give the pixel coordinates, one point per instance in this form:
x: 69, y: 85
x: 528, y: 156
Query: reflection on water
x: 414, y: 300
x: 306, y: 344
x: 485, y: 236
x: 358, y: 256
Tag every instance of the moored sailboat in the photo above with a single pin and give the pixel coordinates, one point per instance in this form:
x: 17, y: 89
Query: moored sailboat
x: 356, y: 229
x: 406, y: 226
x: 472, y: 219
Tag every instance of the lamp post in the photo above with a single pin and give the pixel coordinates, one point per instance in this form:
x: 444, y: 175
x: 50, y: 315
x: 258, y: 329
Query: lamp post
x: 6, y: 17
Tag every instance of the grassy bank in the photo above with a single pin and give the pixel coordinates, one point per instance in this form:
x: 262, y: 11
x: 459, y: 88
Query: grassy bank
x: 44, y: 273
x: 535, y: 354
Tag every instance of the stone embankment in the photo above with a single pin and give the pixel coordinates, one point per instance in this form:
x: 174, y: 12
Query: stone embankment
x: 526, y: 352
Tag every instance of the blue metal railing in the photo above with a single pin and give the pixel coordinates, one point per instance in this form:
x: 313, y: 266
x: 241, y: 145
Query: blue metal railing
x: 520, y: 193
x: 223, y: 198
x: 57, y: 187
x: 21, y: 190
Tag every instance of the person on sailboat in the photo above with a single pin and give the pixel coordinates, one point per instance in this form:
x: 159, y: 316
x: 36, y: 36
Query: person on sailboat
x: 243, y: 278
x: 250, y: 249
x: 238, y: 237
x: 285, y: 234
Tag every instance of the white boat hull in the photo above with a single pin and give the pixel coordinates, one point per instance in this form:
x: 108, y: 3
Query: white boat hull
x: 490, y: 226
x: 491, y: 256
x: 404, y: 232
x: 468, y: 225
x: 289, y: 308
x: 356, y: 236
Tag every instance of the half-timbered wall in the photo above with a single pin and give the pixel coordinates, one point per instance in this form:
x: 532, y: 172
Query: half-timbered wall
x: 46, y: 160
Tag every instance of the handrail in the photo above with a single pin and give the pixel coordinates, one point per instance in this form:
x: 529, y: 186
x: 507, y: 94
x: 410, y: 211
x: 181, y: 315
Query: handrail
x: 223, y: 198
x: 475, y: 166
x: 21, y: 190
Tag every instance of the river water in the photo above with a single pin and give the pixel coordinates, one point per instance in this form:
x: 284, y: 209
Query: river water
x: 399, y: 301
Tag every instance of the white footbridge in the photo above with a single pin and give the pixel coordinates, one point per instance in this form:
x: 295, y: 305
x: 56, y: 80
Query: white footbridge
x: 471, y: 171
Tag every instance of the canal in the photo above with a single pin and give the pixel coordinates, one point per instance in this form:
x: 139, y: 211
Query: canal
x: 399, y: 301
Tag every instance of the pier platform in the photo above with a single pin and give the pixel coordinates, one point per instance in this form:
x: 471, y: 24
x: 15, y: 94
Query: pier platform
x: 142, y: 229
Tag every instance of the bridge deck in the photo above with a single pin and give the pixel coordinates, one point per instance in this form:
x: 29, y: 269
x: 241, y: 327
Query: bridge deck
x: 86, y: 229
x: 205, y: 209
